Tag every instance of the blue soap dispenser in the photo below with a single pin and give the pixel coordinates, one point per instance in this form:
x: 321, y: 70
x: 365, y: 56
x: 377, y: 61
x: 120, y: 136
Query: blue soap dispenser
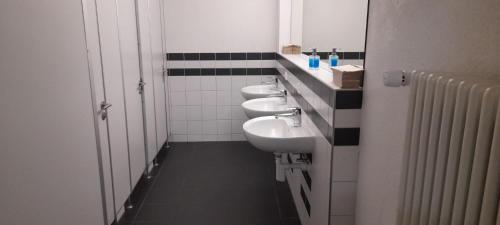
x: 333, y: 58
x: 314, y: 60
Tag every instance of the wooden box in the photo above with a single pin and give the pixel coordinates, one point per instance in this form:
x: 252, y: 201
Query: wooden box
x: 348, y: 76
x: 292, y: 49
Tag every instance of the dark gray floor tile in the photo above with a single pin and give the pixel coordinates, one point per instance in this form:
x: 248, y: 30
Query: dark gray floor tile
x: 156, y: 213
x: 219, y: 183
x: 293, y: 221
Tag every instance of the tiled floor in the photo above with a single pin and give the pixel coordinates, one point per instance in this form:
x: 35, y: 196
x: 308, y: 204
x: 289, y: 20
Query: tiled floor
x: 214, y: 183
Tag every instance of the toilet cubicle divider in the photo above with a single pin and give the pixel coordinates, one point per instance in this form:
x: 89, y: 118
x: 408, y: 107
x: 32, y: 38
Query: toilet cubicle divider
x: 125, y: 52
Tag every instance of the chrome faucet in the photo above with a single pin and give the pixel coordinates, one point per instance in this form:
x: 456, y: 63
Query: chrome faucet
x: 283, y: 94
x: 296, y: 115
x: 275, y: 82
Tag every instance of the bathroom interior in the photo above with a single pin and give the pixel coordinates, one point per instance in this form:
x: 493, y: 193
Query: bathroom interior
x: 261, y: 112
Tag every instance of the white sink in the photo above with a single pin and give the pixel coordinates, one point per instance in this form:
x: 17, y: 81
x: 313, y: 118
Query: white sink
x: 259, y: 91
x: 265, y: 107
x: 278, y: 135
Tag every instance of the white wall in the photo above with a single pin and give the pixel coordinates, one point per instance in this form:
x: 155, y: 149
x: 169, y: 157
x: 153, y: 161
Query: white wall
x: 221, y: 25
x: 458, y: 36
x: 331, y: 24
x: 207, y: 108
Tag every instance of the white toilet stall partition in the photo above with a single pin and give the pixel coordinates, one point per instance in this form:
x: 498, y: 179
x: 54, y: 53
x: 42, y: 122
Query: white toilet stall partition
x: 451, y: 165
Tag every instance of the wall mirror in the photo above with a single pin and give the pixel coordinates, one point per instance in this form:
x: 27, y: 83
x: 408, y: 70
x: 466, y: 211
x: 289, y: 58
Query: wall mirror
x: 326, y: 24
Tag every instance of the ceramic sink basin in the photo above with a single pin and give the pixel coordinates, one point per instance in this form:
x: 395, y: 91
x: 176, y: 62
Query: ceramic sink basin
x: 278, y: 135
x: 265, y: 107
x: 259, y: 91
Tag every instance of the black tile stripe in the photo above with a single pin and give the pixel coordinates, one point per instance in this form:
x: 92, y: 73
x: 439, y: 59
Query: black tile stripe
x: 191, y: 56
x: 269, y: 55
x: 305, y: 200
x: 238, y: 71
x: 254, y: 71
x: 320, y: 89
x: 308, y: 179
x: 222, y: 71
x: 316, y: 118
x: 239, y: 56
x: 348, y: 99
x: 175, y: 72
x: 207, y: 56
x: 346, y: 137
x: 222, y: 56
x: 208, y: 72
x: 254, y: 56
x: 342, y: 55
x: 192, y: 72
x: 175, y: 56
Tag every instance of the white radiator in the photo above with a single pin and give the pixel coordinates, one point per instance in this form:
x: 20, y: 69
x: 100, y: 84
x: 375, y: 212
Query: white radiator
x: 451, y: 170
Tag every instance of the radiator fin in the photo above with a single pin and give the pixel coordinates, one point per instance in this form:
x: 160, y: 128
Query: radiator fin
x: 451, y: 172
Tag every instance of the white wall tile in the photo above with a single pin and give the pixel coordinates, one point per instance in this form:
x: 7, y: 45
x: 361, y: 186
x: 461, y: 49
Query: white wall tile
x: 238, y: 82
x: 345, y: 163
x: 178, y: 98
x: 223, y: 64
x: 237, y: 126
x: 224, y: 126
x: 237, y: 113
x: 208, y: 83
x: 194, y: 127
x: 193, y: 112
x: 192, y: 64
x: 347, y: 118
x: 343, y: 198
x: 253, y: 80
x: 268, y: 78
x: 239, y: 64
x: 195, y: 137
x: 177, y: 83
x: 207, y: 64
x: 209, y: 137
x: 175, y: 64
x: 268, y: 63
x: 193, y: 83
x: 193, y: 98
x: 179, y: 127
x: 223, y: 98
x: 254, y: 63
x: 223, y: 83
x: 238, y: 137
x: 209, y: 127
x: 178, y: 113
x: 209, y: 98
x: 178, y: 138
x: 224, y: 112
x: 209, y: 112
x: 224, y: 137
x: 237, y: 99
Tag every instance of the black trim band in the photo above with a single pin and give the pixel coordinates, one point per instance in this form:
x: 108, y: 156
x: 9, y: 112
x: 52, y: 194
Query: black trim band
x: 346, y: 137
x: 221, y: 71
x: 221, y: 56
x: 323, y: 91
x: 316, y: 118
x: 342, y: 55
x: 349, y: 99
